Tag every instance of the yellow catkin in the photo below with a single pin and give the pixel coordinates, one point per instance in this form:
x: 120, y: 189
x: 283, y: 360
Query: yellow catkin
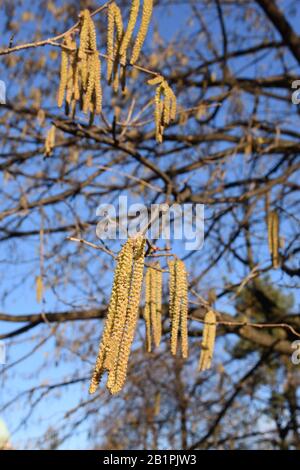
x: 123, y: 288
x: 92, y: 35
x: 158, y: 114
x: 116, y: 79
x: 91, y: 83
x: 110, y: 40
x: 66, y: 74
x: 114, y: 23
x: 183, y: 309
x: 76, y: 85
x: 63, y: 78
x: 84, y: 45
x: 178, y: 288
x: 39, y: 288
x: 275, y: 240
x: 116, y: 311
x: 134, y: 11
x: 147, y: 310
x: 158, y: 300
x: 98, y: 88
x: 169, y: 107
x: 273, y: 237
x: 70, y: 76
x: 270, y: 231
x: 118, y: 22
x: 88, y: 68
x: 153, y: 305
x: 141, y: 36
x: 165, y: 109
x: 171, y: 265
x: 208, y: 341
x: 173, y: 109
x: 49, y: 141
x: 174, y: 305
x: 119, y: 375
x: 167, y: 103
x: 156, y: 80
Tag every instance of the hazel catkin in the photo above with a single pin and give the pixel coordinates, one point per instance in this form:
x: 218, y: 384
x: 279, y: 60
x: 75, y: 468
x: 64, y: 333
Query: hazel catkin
x: 208, y: 341
x: 122, y: 317
x: 141, y: 36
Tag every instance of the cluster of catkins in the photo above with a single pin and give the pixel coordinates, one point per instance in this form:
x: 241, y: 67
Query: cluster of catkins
x: 122, y: 317
x: 80, y: 71
x: 123, y: 313
x: 165, y: 105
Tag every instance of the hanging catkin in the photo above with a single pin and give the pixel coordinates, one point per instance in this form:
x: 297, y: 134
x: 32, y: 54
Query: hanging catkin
x: 114, y: 25
x: 134, y: 11
x: 110, y: 40
x: 80, y: 74
x: 178, y: 305
x: 116, y: 309
x: 165, y: 106
x: 64, y: 64
x: 153, y: 307
x: 39, y: 288
x: 273, y: 237
x: 158, y: 300
x: 147, y: 310
x: 208, y: 341
x: 49, y: 142
x: 119, y: 375
x: 122, y: 317
x: 146, y: 17
x: 84, y: 45
x: 158, y: 116
x: 184, y: 309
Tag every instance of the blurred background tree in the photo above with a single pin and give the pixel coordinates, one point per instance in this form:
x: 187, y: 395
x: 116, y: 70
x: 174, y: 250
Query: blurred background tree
x: 235, y: 144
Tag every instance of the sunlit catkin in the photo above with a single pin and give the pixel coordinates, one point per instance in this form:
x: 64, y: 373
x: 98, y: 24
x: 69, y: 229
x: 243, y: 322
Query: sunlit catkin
x: 165, y: 106
x: 90, y: 65
x: 273, y: 237
x: 134, y: 11
x: 114, y: 25
x: 183, y: 309
x: 98, y: 88
x: 156, y: 80
x: 110, y: 40
x: 158, y: 302
x: 84, y: 45
x: 50, y: 141
x: 122, y: 317
x: 153, y: 307
x: 174, y: 305
x: 115, y: 313
x: 141, y: 36
x: 147, y: 310
x: 91, y: 83
x: 121, y: 364
x: 39, y: 288
x: 158, y: 115
x: 63, y: 77
x: 208, y: 341
x: 123, y: 288
x: 178, y: 305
